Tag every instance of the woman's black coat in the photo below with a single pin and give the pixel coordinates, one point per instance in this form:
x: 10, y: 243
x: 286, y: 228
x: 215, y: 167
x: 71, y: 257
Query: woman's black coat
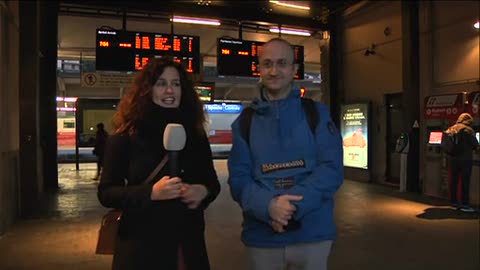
x: 150, y: 231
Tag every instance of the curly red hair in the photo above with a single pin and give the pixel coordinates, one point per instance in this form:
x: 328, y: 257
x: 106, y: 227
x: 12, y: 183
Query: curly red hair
x: 134, y: 104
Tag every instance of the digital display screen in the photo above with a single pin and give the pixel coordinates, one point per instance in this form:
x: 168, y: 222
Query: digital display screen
x: 237, y: 57
x: 435, y: 137
x: 205, y: 91
x: 118, y: 50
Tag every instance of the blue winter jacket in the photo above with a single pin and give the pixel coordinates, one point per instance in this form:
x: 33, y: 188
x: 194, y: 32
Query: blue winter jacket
x: 284, y: 157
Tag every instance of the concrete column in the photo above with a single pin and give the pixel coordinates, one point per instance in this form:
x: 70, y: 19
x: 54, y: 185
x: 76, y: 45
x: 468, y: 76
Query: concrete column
x: 31, y: 181
x: 336, y: 90
x: 48, y: 29
x: 411, y: 88
x: 8, y: 114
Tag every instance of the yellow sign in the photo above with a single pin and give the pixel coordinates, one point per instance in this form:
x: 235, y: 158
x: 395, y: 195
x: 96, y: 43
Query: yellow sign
x: 106, y: 80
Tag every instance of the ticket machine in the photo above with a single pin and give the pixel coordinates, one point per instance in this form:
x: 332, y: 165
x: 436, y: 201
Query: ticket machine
x: 473, y: 107
x: 442, y: 111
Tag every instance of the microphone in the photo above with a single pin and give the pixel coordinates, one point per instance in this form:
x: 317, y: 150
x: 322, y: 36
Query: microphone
x: 174, y: 139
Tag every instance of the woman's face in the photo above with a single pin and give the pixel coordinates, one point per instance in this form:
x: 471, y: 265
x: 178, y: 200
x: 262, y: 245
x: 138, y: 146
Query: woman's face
x: 167, y: 91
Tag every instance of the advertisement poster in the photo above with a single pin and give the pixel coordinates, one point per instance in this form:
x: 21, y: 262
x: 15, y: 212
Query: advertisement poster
x: 354, y: 129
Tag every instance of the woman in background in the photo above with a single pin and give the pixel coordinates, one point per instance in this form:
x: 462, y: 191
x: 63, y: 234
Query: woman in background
x: 162, y: 222
x: 99, y: 149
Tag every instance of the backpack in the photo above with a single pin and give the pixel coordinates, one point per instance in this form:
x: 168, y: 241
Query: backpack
x: 450, y: 144
x: 308, y: 106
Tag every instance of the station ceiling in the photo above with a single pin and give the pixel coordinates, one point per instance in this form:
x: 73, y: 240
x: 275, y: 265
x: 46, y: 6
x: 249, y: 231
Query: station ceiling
x: 249, y: 20
x: 249, y: 13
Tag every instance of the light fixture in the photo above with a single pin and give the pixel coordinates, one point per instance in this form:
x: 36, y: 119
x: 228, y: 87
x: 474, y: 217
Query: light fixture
x: 67, y: 99
x: 477, y: 25
x: 285, y: 4
x: 67, y: 109
x: 181, y: 19
x: 291, y: 31
x: 370, y: 50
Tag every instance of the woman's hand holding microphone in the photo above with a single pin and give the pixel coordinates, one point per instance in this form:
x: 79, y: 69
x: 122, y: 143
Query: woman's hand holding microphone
x: 172, y: 188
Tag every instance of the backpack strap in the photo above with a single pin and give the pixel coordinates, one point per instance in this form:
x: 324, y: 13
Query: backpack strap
x: 308, y: 106
x: 311, y: 112
x: 245, y: 123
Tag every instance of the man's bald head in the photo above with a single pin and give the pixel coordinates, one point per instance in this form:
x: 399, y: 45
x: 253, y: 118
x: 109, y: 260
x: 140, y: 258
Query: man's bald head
x: 279, y: 40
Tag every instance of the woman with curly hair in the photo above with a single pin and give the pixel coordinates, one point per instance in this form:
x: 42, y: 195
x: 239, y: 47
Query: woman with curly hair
x: 162, y: 225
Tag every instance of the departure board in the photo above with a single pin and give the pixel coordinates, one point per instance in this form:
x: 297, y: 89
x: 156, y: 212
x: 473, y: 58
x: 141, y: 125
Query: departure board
x: 118, y: 50
x: 240, y: 58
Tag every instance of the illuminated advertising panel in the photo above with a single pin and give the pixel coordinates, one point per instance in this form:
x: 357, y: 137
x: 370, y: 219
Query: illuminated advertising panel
x: 354, y: 130
x: 237, y: 57
x: 118, y: 50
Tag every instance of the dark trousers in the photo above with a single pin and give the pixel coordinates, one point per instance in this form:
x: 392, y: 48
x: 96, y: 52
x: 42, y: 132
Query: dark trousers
x: 460, y: 168
x: 99, y: 165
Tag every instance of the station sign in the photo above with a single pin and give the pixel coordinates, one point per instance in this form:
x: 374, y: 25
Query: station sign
x: 106, y: 79
x: 223, y: 108
x: 448, y: 106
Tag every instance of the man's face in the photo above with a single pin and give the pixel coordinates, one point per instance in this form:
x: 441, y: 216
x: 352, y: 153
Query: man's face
x: 276, y: 68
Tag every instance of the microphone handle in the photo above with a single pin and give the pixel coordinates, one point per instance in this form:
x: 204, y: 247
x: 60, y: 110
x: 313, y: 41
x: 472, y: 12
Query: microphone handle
x: 173, y: 163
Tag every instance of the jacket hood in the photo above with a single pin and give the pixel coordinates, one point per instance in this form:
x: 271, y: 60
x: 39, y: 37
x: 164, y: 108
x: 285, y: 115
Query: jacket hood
x: 465, y: 118
x: 464, y: 122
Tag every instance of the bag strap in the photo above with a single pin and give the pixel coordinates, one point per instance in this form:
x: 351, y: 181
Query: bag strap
x: 311, y: 112
x: 156, y: 170
x: 245, y: 122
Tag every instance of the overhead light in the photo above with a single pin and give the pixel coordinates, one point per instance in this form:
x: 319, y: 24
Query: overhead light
x: 67, y: 109
x: 291, y: 31
x: 477, y: 25
x: 67, y: 99
x: 285, y: 4
x: 181, y: 19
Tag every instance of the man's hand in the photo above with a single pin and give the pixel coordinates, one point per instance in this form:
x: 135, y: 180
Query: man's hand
x: 193, y: 195
x: 281, y: 209
x: 166, y: 188
x: 277, y: 227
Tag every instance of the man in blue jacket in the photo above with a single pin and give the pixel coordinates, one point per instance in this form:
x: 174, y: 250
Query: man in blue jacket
x: 284, y: 175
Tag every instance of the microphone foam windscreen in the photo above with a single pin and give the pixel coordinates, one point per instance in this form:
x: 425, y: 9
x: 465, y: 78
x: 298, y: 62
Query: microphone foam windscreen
x: 174, y: 137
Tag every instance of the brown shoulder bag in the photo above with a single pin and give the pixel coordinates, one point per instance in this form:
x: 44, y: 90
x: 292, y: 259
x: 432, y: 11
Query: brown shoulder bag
x: 107, y: 234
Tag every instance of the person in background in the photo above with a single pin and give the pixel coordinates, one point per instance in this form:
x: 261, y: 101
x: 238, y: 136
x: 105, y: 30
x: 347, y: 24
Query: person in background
x: 99, y: 149
x: 462, y: 160
x: 286, y: 176
x: 162, y: 226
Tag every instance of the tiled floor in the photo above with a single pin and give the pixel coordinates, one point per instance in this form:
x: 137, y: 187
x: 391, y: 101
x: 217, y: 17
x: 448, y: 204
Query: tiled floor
x: 379, y: 228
